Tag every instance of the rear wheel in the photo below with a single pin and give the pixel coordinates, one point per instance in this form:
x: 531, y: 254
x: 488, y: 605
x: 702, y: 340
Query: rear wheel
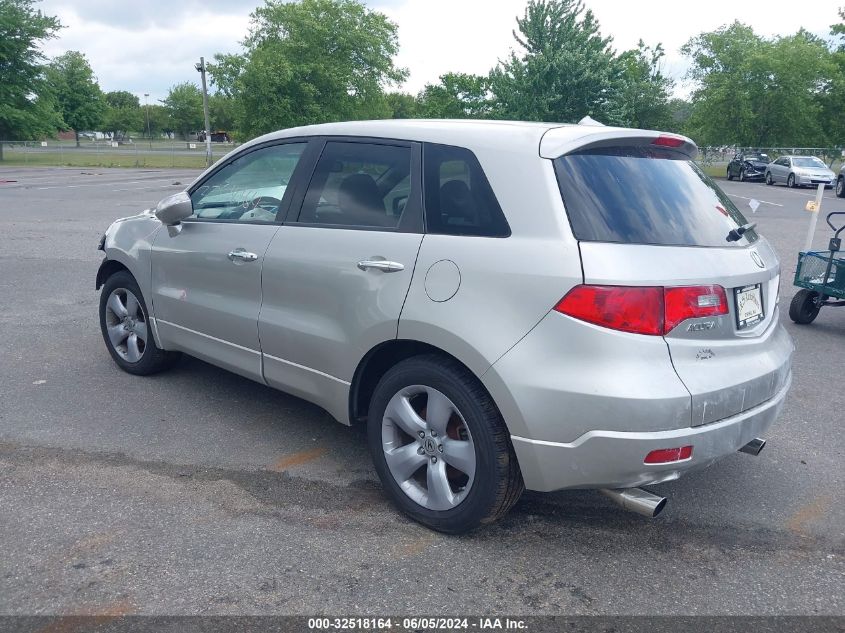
x: 804, y: 307
x: 790, y: 182
x: 441, y: 447
x: 840, y: 187
x: 730, y: 175
x: 125, y: 324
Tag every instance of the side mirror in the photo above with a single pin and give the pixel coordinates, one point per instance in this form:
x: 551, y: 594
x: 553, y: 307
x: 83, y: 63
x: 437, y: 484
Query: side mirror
x: 173, y: 209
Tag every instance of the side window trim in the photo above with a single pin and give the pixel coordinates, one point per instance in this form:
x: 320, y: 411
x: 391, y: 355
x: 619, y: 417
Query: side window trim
x: 412, y: 216
x: 292, y: 188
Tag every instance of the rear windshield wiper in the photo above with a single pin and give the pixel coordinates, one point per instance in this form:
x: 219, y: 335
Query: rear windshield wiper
x: 736, y: 234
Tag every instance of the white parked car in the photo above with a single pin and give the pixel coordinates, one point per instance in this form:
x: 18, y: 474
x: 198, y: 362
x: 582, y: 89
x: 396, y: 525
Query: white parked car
x: 798, y: 171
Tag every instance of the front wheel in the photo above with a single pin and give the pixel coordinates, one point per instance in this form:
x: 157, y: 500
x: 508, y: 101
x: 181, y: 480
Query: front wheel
x: 840, y: 187
x: 730, y: 175
x: 790, y: 182
x: 441, y: 447
x: 125, y: 324
x: 741, y: 175
x: 804, y: 307
x: 769, y: 180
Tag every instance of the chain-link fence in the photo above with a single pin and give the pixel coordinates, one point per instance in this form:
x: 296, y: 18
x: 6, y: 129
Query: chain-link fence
x: 712, y: 155
x: 106, y: 153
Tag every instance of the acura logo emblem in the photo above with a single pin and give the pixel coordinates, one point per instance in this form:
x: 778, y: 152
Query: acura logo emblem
x: 757, y: 259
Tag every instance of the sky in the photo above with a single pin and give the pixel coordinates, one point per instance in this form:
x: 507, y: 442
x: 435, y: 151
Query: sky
x: 146, y: 46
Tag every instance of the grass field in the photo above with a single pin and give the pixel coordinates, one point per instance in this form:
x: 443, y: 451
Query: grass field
x: 159, y: 153
x: 104, y: 159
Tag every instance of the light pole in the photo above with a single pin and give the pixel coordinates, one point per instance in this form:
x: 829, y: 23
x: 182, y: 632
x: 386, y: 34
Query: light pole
x: 147, y: 108
x: 201, y: 69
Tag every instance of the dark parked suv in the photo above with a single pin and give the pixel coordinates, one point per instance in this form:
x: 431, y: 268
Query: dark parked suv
x: 748, y: 166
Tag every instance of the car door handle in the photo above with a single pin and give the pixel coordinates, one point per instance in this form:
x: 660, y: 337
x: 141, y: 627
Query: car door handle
x: 381, y: 264
x: 242, y: 255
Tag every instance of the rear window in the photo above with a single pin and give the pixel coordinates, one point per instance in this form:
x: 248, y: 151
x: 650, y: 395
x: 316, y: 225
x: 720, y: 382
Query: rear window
x: 645, y: 195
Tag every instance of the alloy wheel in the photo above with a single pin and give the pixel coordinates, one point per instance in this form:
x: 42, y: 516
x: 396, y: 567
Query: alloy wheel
x: 126, y: 325
x: 428, y: 447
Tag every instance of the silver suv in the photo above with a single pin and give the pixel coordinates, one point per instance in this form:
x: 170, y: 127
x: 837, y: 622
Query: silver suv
x: 505, y: 305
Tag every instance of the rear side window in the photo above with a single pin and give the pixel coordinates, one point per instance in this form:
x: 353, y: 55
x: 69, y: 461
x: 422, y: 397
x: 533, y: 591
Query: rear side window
x: 645, y: 195
x: 358, y: 185
x: 458, y: 197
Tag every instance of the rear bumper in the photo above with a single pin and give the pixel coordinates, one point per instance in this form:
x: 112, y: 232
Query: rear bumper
x: 614, y: 459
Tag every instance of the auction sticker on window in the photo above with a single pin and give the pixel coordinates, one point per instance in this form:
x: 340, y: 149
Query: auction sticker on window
x: 749, y: 305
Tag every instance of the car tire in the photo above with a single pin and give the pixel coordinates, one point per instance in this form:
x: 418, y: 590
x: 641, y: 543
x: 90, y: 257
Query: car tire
x: 840, y: 187
x: 741, y: 175
x: 769, y: 180
x: 730, y: 175
x: 125, y: 325
x: 427, y: 477
x: 790, y: 181
x: 804, y: 309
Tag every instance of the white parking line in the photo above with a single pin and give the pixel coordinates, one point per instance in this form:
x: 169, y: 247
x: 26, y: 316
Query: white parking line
x: 774, y: 204
x: 146, y: 188
x: 107, y: 184
x: 806, y: 193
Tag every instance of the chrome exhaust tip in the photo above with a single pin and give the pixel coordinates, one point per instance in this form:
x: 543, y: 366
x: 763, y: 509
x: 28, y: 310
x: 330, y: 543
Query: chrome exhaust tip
x: 753, y: 447
x: 636, y: 500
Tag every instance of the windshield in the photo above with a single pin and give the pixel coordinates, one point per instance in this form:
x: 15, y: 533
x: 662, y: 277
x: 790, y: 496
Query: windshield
x: 643, y: 195
x: 808, y: 161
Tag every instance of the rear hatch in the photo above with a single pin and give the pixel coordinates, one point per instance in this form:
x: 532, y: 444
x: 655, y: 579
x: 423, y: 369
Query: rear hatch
x: 647, y: 217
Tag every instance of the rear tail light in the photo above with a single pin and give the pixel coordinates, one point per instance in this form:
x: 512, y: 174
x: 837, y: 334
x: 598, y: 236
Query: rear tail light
x: 668, y: 455
x: 652, y: 310
x: 629, y: 309
x: 690, y: 302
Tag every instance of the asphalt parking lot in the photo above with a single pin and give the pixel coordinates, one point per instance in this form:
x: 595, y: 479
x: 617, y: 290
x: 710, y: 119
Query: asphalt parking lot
x: 200, y: 492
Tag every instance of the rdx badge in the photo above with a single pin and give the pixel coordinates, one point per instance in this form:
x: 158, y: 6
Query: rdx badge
x: 701, y: 326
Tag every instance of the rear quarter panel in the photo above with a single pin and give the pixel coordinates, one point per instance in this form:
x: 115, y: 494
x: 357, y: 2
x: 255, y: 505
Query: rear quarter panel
x: 507, y: 285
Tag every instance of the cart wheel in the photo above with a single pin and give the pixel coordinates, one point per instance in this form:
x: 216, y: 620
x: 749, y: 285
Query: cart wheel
x: 804, y: 308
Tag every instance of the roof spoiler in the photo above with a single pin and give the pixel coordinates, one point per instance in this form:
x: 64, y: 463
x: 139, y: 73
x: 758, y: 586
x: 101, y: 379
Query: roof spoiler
x: 559, y: 141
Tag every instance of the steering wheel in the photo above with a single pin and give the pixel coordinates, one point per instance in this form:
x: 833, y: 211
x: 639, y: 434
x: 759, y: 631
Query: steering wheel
x: 266, y: 203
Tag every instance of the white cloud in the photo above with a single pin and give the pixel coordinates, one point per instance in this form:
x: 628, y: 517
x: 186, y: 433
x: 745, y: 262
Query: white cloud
x: 148, y: 59
x: 149, y: 45
x: 438, y: 36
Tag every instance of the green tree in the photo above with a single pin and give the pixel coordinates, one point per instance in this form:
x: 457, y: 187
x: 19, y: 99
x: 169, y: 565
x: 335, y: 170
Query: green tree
x: 565, y: 69
x: 456, y: 96
x: 123, y: 114
x: 754, y: 91
x: 679, y: 114
x: 221, y: 112
x: 27, y: 106
x: 184, y: 105
x: 838, y: 29
x: 645, y: 96
x: 832, y: 97
x: 79, y: 98
x: 159, y: 120
x: 309, y: 62
x: 401, y: 105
